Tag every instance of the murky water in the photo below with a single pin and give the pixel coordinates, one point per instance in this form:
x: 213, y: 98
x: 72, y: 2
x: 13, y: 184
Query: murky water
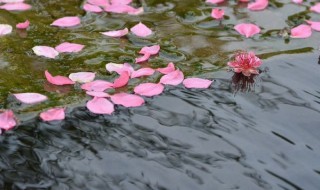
x: 261, y: 132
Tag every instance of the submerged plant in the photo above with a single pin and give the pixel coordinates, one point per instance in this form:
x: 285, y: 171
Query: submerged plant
x: 246, y: 63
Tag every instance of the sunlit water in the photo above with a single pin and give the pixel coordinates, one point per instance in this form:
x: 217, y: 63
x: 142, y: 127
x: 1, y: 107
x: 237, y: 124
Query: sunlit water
x: 252, y: 133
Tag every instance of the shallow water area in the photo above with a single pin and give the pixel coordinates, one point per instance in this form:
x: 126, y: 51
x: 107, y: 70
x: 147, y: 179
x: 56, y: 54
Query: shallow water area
x: 258, y: 132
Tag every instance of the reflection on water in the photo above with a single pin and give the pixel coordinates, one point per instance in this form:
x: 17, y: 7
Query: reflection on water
x: 258, y: 132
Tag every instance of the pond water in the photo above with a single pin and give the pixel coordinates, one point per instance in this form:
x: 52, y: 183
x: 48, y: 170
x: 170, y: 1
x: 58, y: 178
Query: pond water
x: 261, y: 132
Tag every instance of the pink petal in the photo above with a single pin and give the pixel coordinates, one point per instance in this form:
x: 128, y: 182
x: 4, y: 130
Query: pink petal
x: 116, y: 33
x: 121, y: 2
x: 314, y: 25
x: 247, y: 29
x: 98, y: 94
x: 30, y: 98
x: 301, y: 31
x: 137, y: 11
x: 166, y: 70
x: 7, y: 120
x: 149, y: 89
x: 141, y: 30
x: 297, y: 1
x: 67, y: 21
x: 127, y: 100
x: 99, y: 2
x: 122, y: 80
x: 119, y: 8
x: 152, y: 50
x: 196, y: 83
x: 92, y: 8
x: 5, y: 29
x: 119, y: 68
x: 142, y: 72
x: 82, y: 77
x: 45, y: 51
x: 23, y: 25
x: 57, y: 80
x: 67, y: 47
x: 100, y: 106
x: 53, y: 114
x: 217, y: 13
x: 173, y: 78
x: 144, y: 58
x: 15, y: 6
x: 258, y: 5
x: 315, y: 8
x: 11, y: 1
x: 97, y: 85
x: 214, y: 1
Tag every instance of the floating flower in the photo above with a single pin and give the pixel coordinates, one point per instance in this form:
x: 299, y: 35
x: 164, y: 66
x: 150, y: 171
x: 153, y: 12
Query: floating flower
x: 23, y: 25
x: 245, y: 63
x: 301, y: 31
x: 247, y: 29
x: 217, y: 13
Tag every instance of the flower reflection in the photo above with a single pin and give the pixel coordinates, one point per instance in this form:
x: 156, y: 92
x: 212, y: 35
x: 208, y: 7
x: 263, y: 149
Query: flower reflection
x: 243, y: 83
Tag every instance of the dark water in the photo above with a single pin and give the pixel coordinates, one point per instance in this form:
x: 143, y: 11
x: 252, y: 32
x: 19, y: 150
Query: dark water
x: 242, y: 133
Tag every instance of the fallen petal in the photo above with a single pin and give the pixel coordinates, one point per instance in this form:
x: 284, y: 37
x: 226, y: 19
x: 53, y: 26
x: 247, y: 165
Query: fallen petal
x: 217, y: 13
x: 5, y: 29
x: 152, y: 50
x: 122, y: 80
x: 53, y: 114
x: 98, y: 94
x: 141, y: 30
x: 99, y: 2
x: 127, y: 100
x: 258, y: 5
x: 120, y: 2
x: 301, y: 31
x: 142, y: 72
x: 144, y: 58
x: 7, y: 120
x: 173, y: 78
x: 247, y: 30
x: 45, y: 51
x: 30, y: 98
x: 314, y: 25
x: 214, y: 1
x: 97, y: 85
x: 116, y: 33
x: 297, y: 1
x: 15, y: 6
x: 119, y: 68
x: 58, y: 80
x: 315, y: 8
x: 197, y: 83
x: 23, y: 25
x: 67, y: 47
x: 82, y: 77
x: 166, y: 70
x: 149, y: 89
x: 100, y: 106
x: 92, y: 8
x: 67, y: 21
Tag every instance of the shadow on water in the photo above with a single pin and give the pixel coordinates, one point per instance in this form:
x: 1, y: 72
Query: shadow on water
x: 258, y: 132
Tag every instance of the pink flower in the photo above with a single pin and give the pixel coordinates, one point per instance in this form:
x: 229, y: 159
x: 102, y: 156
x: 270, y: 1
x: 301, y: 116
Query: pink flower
x: 245, y: 63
